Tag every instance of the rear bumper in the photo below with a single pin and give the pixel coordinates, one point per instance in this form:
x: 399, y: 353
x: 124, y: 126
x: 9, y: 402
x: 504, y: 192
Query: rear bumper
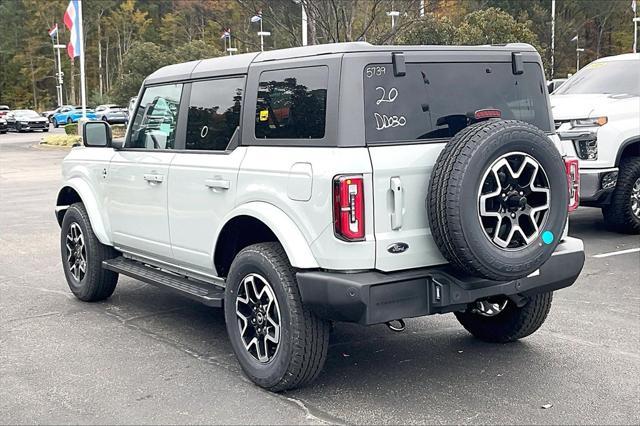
x: 597, y: 185
x: 374, y: 297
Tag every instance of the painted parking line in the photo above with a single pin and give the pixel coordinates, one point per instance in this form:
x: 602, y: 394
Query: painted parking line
x: 615, y: 253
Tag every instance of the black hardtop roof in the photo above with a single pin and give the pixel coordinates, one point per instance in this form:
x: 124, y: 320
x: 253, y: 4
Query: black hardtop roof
x: 239, y: 64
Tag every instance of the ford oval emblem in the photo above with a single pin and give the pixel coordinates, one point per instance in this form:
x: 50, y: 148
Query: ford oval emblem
x: 397, y: 248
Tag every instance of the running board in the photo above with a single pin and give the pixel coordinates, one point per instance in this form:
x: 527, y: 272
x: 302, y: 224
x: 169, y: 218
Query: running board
x: 206, y: 293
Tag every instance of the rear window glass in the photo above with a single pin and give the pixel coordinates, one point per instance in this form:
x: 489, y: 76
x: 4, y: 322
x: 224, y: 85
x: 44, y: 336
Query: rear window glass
x: 434, y: 100
x: 292, y: 103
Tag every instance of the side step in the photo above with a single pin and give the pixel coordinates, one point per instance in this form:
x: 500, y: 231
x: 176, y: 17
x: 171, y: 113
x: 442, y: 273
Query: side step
x: 207, y: 293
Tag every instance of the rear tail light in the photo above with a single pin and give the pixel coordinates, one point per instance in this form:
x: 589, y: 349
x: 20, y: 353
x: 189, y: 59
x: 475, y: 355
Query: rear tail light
x: 348, y: 207
x: 573, y: 180
x: 483, y: 114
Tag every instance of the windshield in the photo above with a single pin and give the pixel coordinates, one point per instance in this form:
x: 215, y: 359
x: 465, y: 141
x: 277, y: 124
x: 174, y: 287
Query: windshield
x: 611, y: 77
x: 435, y: 100
x: 27, y: 114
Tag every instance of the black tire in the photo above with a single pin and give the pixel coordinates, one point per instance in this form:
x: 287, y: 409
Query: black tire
x: 97, y: 283
x: 454, y: 190
x: 304, y: 338
x: 55, y: 123
x: 69, y: 120
x: 45, y: 130
x: 619, y: 216
x: 104, y: 118
x: 511, y: 324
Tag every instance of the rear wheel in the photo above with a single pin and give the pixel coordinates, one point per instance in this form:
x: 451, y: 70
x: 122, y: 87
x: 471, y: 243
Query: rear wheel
x: 279, y: 343
x: 55, y: 123
x: 500, y: 320
x: 623, y: 214
x: 82, y: 256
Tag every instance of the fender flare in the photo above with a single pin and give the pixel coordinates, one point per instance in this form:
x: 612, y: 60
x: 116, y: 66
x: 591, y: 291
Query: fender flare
x: 623, y: 146
x: 87, y: 195
x: 287, y: 232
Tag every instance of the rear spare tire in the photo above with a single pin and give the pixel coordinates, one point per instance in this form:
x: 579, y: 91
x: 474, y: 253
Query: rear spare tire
x: 498, y: 199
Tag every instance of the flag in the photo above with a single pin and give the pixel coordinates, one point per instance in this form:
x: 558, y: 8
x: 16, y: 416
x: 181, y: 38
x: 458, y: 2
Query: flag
x: 72, y: 21
x: 633, y: 5
x: 226, y: 34
x: 53, y: 31
x: 257, y: 18
x: 575, y: 38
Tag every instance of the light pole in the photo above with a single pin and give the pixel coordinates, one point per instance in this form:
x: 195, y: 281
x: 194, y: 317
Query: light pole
x: 578, y: 50
x: 261, y: 33
x: 553, y: 35
x: 635, y: 34
x: 394, y: 14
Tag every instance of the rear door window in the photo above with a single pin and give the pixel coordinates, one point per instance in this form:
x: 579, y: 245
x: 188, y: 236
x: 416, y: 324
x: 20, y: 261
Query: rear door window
x: 434, y: 100
x: 292, y: 103
x: 214, y: 113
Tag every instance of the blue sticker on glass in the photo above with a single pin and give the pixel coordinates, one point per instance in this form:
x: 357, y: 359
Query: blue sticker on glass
x: 547, y: 237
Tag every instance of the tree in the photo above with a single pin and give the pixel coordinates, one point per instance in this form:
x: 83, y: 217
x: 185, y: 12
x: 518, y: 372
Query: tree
x: 431, y: 29
x: 495, y: 26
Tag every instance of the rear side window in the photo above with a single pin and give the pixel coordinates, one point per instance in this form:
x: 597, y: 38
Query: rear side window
x: 433, y: 100
x: 154, y: 125
x: 214, y: 113
x: 292, y: 103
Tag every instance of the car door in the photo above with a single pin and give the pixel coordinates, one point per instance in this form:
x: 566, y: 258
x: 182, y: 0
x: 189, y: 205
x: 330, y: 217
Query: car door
x: 203, y: 176
x: 138, y: 175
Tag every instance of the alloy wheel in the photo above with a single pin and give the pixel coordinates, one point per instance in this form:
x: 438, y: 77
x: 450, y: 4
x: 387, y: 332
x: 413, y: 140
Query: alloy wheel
x: 635, y: 199
x: 76, y: 252
x: 514, y: 201
x: 258, y: 317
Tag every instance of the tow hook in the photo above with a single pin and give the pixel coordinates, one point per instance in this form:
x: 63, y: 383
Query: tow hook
x: 396, y: 325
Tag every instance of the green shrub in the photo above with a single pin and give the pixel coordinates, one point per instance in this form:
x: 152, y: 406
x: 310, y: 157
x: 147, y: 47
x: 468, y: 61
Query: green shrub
x: 118, y: 130
x: 61, y: 140
x: 71, y: 129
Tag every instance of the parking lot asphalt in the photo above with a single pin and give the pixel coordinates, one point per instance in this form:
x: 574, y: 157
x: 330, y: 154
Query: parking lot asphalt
x: 148, y: 356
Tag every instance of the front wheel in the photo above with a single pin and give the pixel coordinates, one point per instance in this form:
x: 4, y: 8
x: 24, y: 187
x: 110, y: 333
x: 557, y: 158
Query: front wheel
x: 623, y: 214
x: 82, y: 256
x: 55, y: 123
x: 279, y: 343
x: 69, y: 120
x: 500, y: 320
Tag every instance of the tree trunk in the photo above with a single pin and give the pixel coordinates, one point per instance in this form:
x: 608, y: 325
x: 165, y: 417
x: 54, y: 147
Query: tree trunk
x: 311, y: 26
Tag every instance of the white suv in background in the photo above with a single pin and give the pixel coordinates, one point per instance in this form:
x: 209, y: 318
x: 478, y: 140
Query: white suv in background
x: 597, y: 114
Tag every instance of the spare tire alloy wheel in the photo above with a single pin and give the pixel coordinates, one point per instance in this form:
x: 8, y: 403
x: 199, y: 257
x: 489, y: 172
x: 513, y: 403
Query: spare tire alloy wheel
x: 498, y: 200
x: 514, y: 201
x: 258, y: 317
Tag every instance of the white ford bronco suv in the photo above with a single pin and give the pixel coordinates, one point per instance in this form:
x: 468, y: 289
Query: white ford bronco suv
x: 597, y: 114
x: 343, y: 182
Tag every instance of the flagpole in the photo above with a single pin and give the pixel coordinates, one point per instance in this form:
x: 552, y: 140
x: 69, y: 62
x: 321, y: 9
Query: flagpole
x: 261, y: 35
x: 82, y: 77
x: 60, y: 79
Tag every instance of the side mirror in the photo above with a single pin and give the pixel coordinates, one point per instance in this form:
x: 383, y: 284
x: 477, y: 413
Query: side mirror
x: 96, y: 134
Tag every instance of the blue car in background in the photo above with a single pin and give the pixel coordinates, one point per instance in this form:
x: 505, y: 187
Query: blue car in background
x: 68, y: 115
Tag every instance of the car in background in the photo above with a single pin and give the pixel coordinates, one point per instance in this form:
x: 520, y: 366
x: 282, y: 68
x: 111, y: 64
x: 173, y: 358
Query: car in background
x: 597, y: 115
x: 49, y: 114
x: 112, y: 113
x: 4, y: 109
x: 3, y: 126
x: 555, y: 84
x: 22, y: 120
x: 68, y: 115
